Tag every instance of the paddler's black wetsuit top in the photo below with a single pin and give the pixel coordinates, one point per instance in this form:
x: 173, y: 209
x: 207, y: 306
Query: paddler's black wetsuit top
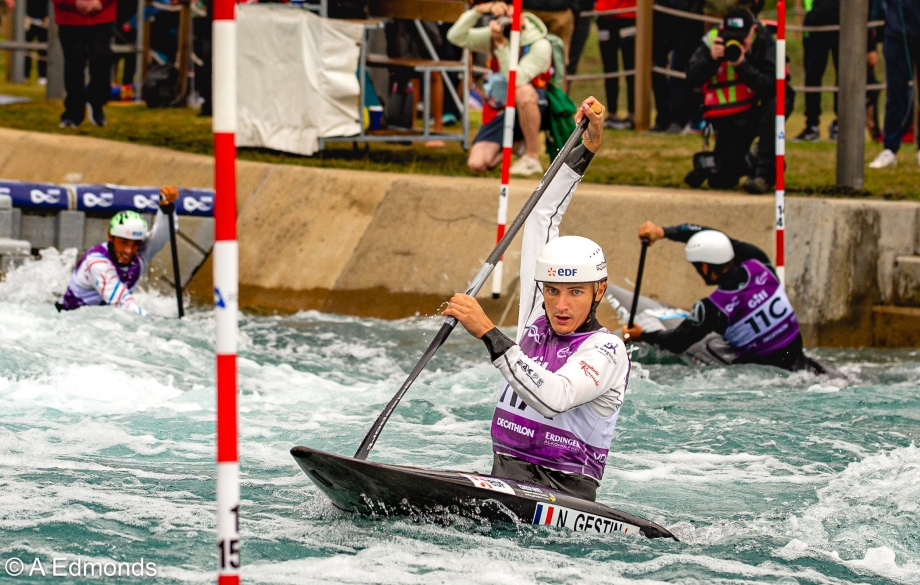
x: 706, y: 317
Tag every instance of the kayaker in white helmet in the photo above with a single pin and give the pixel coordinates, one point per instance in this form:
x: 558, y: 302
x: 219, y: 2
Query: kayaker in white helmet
x: 565, y: 378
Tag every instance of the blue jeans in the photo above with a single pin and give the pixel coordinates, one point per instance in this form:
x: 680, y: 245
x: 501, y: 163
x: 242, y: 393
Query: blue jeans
x: 899, y: 104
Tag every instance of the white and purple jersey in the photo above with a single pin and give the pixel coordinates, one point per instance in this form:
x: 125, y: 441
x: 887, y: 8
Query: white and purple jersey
x: 562, y: 394
x: 556, y: 371
x: 760, y: 317
x: 98, y: 279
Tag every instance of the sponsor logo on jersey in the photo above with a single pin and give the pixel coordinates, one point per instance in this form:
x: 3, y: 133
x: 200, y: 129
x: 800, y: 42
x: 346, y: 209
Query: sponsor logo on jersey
x: 564, y: 353
x: 534, y: 333
x: 590, y: 372
x: 762, y: 278
x: 758, y: 298
x: 512, y: 426
x: 530, y: 373
x: 491, y: 483
x: 562, y: 517
x: 609, y: 351
x: 731, y: 305
x: 560, y: 441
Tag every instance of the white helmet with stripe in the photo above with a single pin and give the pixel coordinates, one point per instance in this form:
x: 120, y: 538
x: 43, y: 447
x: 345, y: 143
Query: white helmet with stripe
x: 571, y: 259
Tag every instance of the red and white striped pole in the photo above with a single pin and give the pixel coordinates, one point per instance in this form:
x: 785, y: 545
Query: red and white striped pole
x: 226, y: 290
x: 507, y: 142
x: 781, y: 140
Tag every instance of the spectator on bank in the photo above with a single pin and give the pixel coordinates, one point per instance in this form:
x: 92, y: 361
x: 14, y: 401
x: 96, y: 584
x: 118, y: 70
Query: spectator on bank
x: 531, y: 107
x: 85, y: 31
x: 674, y: 39
x: 125, y: 34
x: 612, y: 43
x: 902, y: 56
x: 202, y: 23
x: 735, y: 65
x: 875, y: 35
x: 557, y: 17
x: 37, y: 20
x: 580, y: 34
x: 817, y: 46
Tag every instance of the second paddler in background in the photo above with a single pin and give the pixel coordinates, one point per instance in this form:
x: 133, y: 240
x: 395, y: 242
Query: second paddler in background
x: 749, y: 307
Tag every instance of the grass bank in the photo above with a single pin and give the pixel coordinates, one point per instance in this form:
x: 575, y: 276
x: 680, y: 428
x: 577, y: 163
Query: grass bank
x: 628, y: 158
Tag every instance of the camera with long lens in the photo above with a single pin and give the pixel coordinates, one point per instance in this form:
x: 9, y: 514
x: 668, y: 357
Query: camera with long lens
x: 505, y: 23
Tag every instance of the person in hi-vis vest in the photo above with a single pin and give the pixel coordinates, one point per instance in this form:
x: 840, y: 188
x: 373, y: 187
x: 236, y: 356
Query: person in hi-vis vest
x: 735, y: 65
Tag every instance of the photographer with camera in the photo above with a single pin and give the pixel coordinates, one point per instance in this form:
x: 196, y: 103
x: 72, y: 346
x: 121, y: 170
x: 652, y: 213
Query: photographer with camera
x: 531, y: 107
x: 736, y: 67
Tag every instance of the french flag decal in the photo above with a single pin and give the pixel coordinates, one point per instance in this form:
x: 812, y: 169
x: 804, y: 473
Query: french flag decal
x: 545, y: 514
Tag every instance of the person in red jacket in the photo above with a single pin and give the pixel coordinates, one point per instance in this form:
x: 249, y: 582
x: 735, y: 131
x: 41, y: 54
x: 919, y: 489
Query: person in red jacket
x: 85, y: 28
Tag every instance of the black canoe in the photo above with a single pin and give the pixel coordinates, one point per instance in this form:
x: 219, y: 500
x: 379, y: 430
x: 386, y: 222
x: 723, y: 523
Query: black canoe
x: 373, y: 488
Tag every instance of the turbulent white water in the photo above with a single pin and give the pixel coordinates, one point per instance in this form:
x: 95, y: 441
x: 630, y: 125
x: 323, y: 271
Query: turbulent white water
x: 107, y: 455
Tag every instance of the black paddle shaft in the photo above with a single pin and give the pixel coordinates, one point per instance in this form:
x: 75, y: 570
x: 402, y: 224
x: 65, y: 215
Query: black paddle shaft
x: 635, y: 303
x: 444, y: 332
x: 177, y: 278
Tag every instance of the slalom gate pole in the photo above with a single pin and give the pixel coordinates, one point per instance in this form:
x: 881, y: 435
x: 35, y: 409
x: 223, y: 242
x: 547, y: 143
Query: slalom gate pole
x: 226, y: 290
x: 507, y: 142
x: 781, y: 140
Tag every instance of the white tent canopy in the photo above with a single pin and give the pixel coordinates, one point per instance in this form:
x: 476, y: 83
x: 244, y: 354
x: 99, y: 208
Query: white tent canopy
x: 296, y: 78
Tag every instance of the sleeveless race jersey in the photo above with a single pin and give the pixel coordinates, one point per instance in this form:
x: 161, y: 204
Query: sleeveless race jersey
x: 129, y: 275
x: 760, y: 317
x: 575, y: 441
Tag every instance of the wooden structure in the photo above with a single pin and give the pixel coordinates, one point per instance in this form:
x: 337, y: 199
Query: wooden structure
x: 423, y: 69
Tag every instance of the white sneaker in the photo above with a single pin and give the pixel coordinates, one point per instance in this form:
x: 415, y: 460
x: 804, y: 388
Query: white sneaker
x: 526, y: 166
x: 886, y: 158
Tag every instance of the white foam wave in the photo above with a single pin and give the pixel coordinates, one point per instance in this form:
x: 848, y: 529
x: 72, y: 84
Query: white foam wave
x: 39, y: 281
x: 869, y: 510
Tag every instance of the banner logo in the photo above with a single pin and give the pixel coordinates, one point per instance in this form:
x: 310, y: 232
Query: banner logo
x: 144, y: 202
x: 101, y: 200
x: 204, y: 204
x: 38, y: 196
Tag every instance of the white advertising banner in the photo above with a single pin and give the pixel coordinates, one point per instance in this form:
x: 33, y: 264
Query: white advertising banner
x: 297, y: 78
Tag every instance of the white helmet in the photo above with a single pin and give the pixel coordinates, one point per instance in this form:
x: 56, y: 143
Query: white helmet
x: 129, y: 225
x: 571, y: 259
x: 711, y: 247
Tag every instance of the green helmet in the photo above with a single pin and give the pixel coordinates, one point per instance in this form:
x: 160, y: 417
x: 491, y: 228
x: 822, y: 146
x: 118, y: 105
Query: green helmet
x: 129, y: 225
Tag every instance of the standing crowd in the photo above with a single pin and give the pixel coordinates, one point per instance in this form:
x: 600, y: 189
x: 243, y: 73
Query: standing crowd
x: 707, y: 79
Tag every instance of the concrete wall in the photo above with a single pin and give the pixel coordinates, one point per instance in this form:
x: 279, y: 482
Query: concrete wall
x: 389, y: 245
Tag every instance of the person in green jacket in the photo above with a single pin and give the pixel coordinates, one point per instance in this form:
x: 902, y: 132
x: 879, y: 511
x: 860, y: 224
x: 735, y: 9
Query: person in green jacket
x: 530, y: 99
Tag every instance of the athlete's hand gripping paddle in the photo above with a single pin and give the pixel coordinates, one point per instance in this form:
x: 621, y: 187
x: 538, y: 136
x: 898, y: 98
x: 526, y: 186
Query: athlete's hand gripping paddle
x: 635, y: 302
x: 168, y: 196
x: 371, y: 438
